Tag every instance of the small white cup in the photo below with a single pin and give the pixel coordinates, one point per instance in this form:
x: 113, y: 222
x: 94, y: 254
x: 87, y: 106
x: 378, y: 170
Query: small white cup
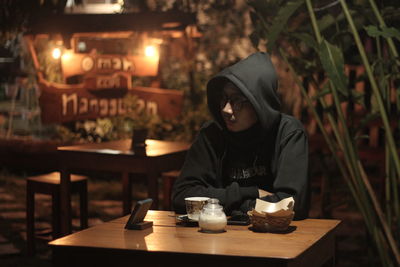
x: 194, y: 205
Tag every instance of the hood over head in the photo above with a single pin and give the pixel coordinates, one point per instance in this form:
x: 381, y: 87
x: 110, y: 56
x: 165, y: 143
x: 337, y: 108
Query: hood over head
x: 256, y: 78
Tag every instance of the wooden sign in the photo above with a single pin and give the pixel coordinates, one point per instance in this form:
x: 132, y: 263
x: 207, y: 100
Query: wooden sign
x: 64, y: 103
x: 101, y: 82
x: 107, y: 78
x: 87, y: 64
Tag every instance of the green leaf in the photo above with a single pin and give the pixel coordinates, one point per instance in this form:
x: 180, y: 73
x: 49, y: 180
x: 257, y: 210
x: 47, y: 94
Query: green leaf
x: 333, y: 63
x: 358, y: 97
x: 398, y: 99
x: 280, y: 21
x: 308, y: 39
x: 257, y: 5
x: 366, y: 120
x: 326, y: 22
x: 360, y: 137
x: 329, y: 109
x: 321, y: 93
x: 385, y: 32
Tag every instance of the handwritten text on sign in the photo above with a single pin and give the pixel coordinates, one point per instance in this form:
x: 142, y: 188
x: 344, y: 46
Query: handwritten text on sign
x: 93, y: 64
x: 72, y: 105
x: 104, y: 63
x: 64, y: 103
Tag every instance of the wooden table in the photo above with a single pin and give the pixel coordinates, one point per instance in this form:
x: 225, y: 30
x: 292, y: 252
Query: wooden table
x: 310, y: 242
x: 116, y: 156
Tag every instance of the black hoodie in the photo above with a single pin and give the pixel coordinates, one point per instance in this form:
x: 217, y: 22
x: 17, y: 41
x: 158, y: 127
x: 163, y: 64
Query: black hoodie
x: 283, y: 143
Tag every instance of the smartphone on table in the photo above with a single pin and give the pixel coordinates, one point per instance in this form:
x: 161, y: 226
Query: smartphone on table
x: 135, y: 221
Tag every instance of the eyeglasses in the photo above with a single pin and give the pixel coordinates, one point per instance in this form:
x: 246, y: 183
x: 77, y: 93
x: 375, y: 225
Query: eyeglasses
x: 236, y: 102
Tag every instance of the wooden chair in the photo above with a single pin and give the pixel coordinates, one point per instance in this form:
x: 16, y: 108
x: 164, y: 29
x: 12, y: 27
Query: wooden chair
x: 49, y: 184
x: 168, y: 179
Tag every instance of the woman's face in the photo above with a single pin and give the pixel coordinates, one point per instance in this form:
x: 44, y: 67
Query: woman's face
x: 236, y: 110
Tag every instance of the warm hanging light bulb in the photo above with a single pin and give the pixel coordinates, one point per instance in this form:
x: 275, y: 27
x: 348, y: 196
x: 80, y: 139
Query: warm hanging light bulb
x: 56, y: 53
x: 150, y: 51
x: 66, y: 55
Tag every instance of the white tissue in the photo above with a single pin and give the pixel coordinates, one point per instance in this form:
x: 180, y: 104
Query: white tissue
x: 280, y: 209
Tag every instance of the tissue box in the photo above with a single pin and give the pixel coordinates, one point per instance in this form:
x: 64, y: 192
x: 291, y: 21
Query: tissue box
x: 264, y: 222
x: 272, y: 217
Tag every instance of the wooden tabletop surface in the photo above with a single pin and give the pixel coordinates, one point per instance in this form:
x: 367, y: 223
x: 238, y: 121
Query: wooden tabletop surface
x: 116, y: 156
x: 168, y: 236
x: 153, y: 147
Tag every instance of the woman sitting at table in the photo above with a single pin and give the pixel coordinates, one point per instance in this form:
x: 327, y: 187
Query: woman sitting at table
x: 250, y: 150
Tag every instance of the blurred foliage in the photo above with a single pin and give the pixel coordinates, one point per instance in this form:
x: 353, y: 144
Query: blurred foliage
x: 23, y: 114
x: 224, y: 41
x: 286, y: 25
x: 318, y: 40
x: 182, y: 128
x: 15, y: 15
x: 50, y: 67
x: 96, y: 131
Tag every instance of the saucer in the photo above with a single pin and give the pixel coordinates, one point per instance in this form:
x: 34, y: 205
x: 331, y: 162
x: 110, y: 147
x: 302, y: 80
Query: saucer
x: 185, y: 219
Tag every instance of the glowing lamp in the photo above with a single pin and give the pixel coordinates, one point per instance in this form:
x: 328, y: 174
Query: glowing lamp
x: 66, y: 56
x: 56, y: 53
x: 150, y: 51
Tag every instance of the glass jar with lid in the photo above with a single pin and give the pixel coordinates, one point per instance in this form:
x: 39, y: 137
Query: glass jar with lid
x: 212, y: 217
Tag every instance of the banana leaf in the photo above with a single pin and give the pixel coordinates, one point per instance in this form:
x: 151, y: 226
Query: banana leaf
x: 358, y: 97
x: 385, y: 32
x: 265, y: 8
x: 398, y: 99
x: 321, y: 93
x: 362, y: 124
x: 307, y: 39
x: 280, y: 20
x: 333, y: 63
